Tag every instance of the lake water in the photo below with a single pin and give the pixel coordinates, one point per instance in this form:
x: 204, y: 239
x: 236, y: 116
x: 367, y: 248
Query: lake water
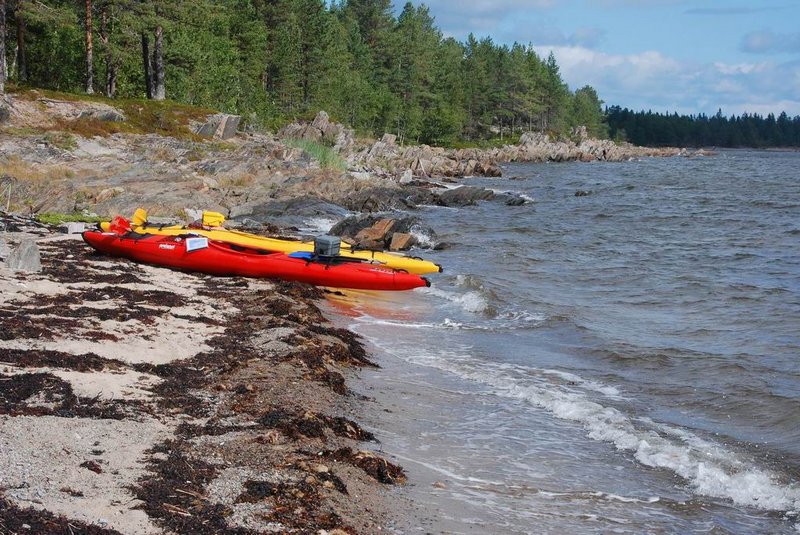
x: 622, y: 362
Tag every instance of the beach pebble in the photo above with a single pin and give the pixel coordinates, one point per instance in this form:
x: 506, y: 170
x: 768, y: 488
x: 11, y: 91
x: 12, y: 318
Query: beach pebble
x: 321, y: 469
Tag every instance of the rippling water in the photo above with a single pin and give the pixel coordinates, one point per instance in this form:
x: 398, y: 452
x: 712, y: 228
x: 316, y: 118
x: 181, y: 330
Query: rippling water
x: 624, y: 362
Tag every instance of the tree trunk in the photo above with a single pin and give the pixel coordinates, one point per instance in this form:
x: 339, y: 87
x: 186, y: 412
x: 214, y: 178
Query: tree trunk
x: 148, y: 79
x: 89, y: 50
x: 2, y: 46
x: 159, y: 92
x: 22, y: 66
x: 111, y: 69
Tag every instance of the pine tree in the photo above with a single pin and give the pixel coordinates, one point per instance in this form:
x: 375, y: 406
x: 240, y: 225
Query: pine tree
x: 89, y: 48
x: 22, y: 63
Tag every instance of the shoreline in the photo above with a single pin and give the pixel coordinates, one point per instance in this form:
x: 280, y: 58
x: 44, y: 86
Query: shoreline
x: 143, y: 400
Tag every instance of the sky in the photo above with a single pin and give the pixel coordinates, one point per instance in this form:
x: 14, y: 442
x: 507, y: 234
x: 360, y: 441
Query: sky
x: 740, y: 56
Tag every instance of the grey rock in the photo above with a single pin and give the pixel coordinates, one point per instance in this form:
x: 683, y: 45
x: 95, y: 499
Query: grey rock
x: 377, y: 199
x: 351, y: 226
x: 5, y: 114
x: 216, y: 167
x: 321, y: 130
x: 292, y: 212
x: 220, y: 126
x: 110, y: 115
x: 73, y: 227
x: 514, y: 200
x: 465, y: 196
x: 4, y: 250
x: 25, y: 257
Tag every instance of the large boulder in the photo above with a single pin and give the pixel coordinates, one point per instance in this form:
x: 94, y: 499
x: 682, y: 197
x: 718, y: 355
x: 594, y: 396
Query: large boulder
x: 377, y: 232
x: 110, y: 115
x: 320, y: 130
x: 465, y: 196
x: 378, y: 199
x: 220, y: 126
x: 295, y: 212
x: 382, y: 199
x: 402, y: 241
x: 25, y: 257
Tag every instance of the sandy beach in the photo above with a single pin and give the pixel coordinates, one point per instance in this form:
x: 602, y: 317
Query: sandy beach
x: 140, y: 400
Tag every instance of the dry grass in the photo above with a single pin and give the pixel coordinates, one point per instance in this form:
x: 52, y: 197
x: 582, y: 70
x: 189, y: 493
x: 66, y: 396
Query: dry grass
x: 16, y: 167
x: 163, y: 154
x: 244, y: 180
x: 34, y: 187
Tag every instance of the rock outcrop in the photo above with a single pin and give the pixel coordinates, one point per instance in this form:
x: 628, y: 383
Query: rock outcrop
x: 320, y: 130
x: 465, y: 196
x: 377, y: 232
x: 404, y: 164
x: 220, y: 126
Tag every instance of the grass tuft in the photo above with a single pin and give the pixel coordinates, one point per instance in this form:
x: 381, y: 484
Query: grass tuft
x: 55, y: 218
x: 326, y: 156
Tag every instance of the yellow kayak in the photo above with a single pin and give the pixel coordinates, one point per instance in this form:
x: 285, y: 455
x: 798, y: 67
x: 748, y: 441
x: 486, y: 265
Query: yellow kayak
x: 216, y: 232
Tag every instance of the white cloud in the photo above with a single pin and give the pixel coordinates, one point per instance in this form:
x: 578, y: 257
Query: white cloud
x: 644, y: 79
x: 740, y: 68
x: 652, y: 81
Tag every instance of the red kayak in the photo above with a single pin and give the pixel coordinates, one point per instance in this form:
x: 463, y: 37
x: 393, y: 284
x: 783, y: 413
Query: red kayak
x: 195, y: 253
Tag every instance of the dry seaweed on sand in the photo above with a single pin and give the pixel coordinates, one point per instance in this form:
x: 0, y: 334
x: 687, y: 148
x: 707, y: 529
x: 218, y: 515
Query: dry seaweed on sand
x: 377, y: 467
x: 252, y: 401
x: 40, y: 394
x: 313, y: 425
x: 37, y: 358
x: 173, y: 494
x: 14, y: 519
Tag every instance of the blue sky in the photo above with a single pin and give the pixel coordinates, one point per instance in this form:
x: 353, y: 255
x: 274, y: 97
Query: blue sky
x: 660, y: 55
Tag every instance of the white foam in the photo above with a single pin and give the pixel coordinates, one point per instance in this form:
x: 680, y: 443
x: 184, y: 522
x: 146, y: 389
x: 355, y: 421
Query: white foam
x: 318, y: 225
x: 709, y: 468
x: 526, y: 198
x: 446, y: 324
x: 423, y: 238
x: 472, y: 301
x: 606, y: 390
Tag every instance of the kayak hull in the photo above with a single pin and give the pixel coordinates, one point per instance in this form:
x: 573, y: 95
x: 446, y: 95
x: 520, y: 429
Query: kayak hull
x: 246, y: 239
x: 220, y: 258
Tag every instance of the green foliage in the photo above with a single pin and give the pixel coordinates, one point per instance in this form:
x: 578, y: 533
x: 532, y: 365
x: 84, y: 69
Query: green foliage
x: 586, y: 109
x: 55, y: 218
x: 655, y: 129
x: 276, y: 61
x: 326, y: 156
